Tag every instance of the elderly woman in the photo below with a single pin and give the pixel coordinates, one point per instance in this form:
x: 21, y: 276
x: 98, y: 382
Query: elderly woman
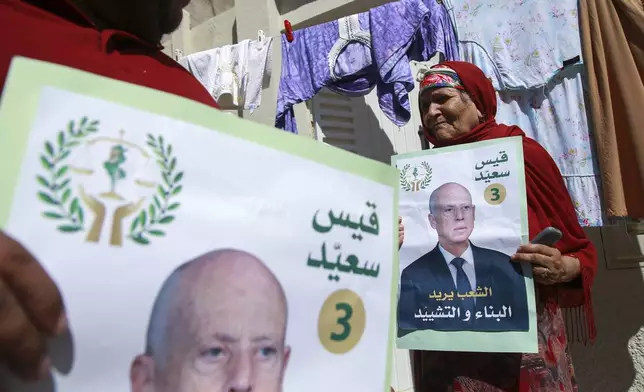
x: 458, y: 105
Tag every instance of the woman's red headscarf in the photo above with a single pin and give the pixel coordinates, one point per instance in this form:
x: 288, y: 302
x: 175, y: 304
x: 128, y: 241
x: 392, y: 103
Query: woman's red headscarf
x: 549, y: 202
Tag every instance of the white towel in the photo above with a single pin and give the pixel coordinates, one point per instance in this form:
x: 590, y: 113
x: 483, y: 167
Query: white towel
x: 233, y: 74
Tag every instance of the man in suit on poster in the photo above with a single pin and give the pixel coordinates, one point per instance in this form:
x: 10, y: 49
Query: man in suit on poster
x: 458, y: 286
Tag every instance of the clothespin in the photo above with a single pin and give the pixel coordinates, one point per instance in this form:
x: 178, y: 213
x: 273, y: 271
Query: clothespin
x: 288, y: 30
x: 178, y: 53
x: 261, y: 36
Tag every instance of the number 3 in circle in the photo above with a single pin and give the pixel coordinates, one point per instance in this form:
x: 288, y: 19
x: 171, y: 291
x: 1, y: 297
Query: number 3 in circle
x: 494, y: 194
x: 341, y: 322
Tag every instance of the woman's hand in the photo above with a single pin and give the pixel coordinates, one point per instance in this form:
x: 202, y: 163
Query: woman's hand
x: 549, y: 266
x: 401, y: 232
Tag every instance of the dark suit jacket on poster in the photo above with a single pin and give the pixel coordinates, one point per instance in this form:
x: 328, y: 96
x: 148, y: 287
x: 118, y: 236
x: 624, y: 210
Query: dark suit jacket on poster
x: 430, y: 275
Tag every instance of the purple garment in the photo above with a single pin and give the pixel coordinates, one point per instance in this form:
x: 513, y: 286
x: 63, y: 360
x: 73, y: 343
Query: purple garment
x: 401, y: 31
x: 305, y: 68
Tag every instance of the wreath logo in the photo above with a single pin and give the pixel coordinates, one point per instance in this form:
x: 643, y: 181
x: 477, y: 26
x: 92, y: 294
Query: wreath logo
x: 149, y: 205
x: 415, y: 178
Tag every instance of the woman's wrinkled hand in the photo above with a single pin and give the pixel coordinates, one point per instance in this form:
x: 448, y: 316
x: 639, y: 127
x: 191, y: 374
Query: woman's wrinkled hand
x: 549, y: 266
x: 401, y: 232
x: 31, y: 310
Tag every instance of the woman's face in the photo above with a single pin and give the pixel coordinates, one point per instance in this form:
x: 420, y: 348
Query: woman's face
x: 448, y: 113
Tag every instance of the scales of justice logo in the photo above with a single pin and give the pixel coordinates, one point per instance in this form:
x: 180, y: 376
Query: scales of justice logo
x: 415, y: 178
x: 108, y: 188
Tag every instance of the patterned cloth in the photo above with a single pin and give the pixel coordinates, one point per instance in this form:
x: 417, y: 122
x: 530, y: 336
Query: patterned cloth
x: 555, y: 116
x: 550, y: 370
x: 402, y: 31
x: 518, y: 43
x: 521, y: 46
x: 438, y: 77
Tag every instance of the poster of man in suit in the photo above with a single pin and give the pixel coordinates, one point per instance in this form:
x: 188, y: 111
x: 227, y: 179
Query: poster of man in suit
x: 455, y: 268
x: 463, y: 211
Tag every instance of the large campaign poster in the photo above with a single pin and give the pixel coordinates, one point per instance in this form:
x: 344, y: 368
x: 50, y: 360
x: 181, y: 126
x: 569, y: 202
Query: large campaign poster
x: 464, y: 211
x: 196, y: 251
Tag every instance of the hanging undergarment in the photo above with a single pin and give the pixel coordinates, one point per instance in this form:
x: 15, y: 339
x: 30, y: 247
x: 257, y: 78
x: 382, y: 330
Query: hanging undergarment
x: 349, y: 57
x: 327, y: 55
x: 349, y: 33
x: 518, y: 43
x: 233, y: 74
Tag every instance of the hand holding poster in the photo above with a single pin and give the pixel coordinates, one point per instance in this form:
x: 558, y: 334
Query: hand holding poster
x: 196, y: 251
x: 464, y: 214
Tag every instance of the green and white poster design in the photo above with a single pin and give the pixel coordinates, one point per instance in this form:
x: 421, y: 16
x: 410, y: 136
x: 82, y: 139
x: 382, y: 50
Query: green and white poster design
x: 465, y: 213
x: 196, y: 251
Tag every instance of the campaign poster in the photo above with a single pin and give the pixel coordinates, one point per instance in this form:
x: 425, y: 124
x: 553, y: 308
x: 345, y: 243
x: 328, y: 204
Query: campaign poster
x: 196, y: 251
x: 464, y: 211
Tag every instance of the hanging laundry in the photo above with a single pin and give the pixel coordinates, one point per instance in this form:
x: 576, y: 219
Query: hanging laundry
x: 341, y: 55
x: 531, y: 51
x: 396, y: 44
x: 233, y: 74
x: 555, y: 116
x: 518, y: 43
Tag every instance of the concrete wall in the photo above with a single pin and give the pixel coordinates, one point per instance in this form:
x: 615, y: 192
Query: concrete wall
x: 615, y: 363
x: 202, y: 10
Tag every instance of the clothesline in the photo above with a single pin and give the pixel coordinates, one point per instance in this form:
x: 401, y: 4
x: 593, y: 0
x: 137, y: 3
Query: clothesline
x: 261, y: 36
x: 288, y: 30
x: 349, y: 57
x: 540, y: 55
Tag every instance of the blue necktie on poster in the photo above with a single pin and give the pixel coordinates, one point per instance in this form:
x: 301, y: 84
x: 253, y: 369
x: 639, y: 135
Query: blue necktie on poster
x: 463, y: 285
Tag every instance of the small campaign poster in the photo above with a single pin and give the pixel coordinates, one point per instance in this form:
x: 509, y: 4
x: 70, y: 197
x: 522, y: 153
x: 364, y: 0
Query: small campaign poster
x: 196, y: 251
x: 464, y: 212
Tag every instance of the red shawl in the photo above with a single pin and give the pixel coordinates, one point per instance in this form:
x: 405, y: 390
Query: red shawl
x: 549, y: 203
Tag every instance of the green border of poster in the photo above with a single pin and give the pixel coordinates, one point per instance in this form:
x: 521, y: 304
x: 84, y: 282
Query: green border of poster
x: 19, y: 102
x: 512, y: 342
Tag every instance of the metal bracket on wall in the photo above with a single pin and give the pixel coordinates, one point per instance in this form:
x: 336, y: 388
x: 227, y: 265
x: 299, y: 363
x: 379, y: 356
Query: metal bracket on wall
x: 623, y: 242
x: 635, y: 227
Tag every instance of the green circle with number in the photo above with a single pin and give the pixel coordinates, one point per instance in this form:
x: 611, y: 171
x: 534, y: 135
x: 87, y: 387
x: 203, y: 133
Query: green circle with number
x: 495, y: 194
x: 341, y: 321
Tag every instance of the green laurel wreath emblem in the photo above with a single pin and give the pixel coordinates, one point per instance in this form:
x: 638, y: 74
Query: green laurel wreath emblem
x: 56, y: 190
x: 159, y: 212
x: 407, y: 186
x: 404, y: 184
x: 428, y: 175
